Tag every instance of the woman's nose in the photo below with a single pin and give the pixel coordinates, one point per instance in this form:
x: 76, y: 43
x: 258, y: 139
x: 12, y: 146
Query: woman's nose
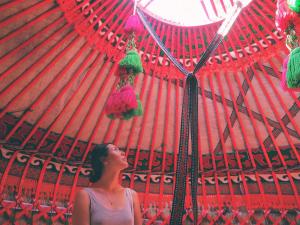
x: 122, y: 153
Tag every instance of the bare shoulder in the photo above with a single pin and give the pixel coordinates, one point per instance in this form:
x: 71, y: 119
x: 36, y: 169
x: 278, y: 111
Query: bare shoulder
x: 82, y: 196
x: 81, y: 208
x: 82, y: 193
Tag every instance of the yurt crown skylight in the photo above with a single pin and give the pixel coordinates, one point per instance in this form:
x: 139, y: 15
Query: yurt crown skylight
x: 189, y: 12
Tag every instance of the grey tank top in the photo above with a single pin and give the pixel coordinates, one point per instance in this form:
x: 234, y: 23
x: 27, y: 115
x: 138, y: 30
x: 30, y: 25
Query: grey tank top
x: 101, y: 215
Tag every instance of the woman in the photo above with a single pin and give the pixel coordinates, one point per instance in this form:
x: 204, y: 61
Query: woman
x: 106, y: 202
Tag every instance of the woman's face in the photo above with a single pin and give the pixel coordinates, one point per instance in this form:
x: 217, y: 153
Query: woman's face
x: 116, y: 157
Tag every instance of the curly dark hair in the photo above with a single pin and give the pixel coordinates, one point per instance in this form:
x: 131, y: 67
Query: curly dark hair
x: 98, y: 154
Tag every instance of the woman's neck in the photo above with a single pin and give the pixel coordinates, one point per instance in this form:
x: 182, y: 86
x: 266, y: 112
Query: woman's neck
x: 108, y: 182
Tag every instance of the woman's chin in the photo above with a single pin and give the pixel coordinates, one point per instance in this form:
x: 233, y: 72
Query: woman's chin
x: 124, y: 165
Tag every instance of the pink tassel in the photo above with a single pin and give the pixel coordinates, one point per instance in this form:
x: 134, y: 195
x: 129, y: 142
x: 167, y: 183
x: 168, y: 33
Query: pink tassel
x: 112, y: 103
x: 283, y: 75
x: 128, y: 98
x: 133, y: 24
x: 121, y: 101
x: 284, y: 16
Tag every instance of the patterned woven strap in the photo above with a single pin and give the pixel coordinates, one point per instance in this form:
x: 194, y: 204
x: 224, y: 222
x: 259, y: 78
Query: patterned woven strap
x: 181, y: 171
x: 189, y: 120
x: 210, y: 49
x: 193, y: 119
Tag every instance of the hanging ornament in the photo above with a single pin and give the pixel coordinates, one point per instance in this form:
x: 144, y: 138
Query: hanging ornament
x: 121, y: 102
x: 124, y: 103
x: 294, y: 5
x: 132, y: 62
x: 287, y: 21
x: 133, y: 25
x: 293, y: 69
x: 284, y: 16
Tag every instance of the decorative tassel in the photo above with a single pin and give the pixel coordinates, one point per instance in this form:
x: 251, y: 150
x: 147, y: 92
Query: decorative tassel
x: 284, y: 16
x: 133, y: 25
x: 121, y: 101
x: 135, y: 112
x: 132, y: 62
x: 293, y: 69
x: 124, y: 103
x: 294, y: 5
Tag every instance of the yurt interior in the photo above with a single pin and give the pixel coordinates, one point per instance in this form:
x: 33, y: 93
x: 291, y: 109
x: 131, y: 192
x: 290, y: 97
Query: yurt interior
x: 194, y: 105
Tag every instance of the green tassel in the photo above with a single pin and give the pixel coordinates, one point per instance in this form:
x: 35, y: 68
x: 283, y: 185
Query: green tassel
x: 128, y: 115
x: 294, y: 5
x: 293, y: 70
x: 132, y: 62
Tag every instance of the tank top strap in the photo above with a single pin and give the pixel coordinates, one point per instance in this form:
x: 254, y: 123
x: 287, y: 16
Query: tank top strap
x: 92, y: 197
x: 130, y: 198
x: 90, y: 192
